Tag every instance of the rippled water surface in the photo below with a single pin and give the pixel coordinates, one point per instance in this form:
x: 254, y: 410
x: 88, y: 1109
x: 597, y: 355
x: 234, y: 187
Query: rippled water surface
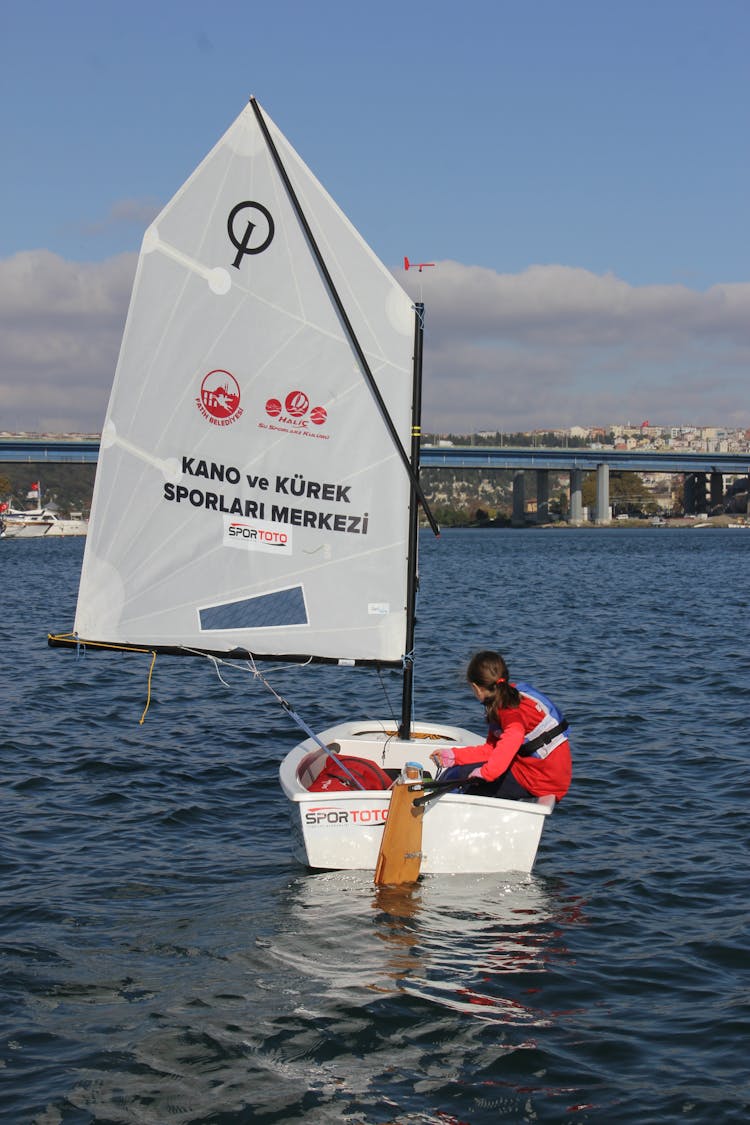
x: 165, y: 961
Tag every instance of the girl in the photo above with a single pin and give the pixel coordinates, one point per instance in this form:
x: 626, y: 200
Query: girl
x: 527, y: 753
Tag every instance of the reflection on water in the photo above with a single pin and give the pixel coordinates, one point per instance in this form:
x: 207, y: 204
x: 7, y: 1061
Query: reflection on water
x: 450, y: 941
x: 334, y: 998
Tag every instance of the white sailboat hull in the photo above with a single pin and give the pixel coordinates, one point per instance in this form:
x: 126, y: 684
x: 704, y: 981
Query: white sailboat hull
x: 42, y: 525
x: 342, y: 830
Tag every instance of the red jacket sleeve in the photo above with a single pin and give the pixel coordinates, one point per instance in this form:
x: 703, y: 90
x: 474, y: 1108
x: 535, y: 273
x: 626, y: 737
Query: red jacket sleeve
x: 496, y: 754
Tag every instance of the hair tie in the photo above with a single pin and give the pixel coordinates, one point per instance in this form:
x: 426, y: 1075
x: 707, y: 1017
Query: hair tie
x: 501, y: 680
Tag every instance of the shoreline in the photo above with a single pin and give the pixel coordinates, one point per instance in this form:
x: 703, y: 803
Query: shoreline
x: 724, y: 521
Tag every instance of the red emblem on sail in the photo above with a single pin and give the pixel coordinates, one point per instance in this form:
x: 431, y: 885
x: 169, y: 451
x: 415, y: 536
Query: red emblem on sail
x: 219, y: 399
x: 297, y: 403
x: 295, y: 414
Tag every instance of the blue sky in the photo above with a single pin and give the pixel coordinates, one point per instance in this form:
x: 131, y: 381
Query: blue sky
x: 578, y: 170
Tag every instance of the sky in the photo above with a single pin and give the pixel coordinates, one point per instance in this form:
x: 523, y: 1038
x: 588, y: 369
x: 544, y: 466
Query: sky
x: 577, y: 170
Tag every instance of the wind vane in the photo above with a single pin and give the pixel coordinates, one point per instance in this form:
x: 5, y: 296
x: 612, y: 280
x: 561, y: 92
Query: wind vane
x: 416, y: 265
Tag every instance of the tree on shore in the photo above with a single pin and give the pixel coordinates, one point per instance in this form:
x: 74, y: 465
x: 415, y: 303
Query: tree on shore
x: 627, y: 492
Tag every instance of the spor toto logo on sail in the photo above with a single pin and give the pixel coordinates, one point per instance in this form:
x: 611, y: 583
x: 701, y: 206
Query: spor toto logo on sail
x: 219, y: 399
x: 295, y: 410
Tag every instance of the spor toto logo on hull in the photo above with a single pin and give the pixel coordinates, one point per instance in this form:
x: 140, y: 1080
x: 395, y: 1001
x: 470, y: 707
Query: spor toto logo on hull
x: 295, y: 410
x: 219, y: 399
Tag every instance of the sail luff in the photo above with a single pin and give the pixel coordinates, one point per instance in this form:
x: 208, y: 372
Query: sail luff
x: 412, y: 578
x: 335, y: 297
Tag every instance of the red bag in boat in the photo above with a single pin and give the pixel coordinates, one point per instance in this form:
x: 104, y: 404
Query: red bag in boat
x: 332, y: 777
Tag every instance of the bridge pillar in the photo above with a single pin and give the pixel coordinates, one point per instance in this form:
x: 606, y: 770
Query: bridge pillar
x: 518, y: 519
x: 575, y: 515
x: 716, y: 490
x: 602, y: 493
x: 694, y: 494
x: 542, y: 496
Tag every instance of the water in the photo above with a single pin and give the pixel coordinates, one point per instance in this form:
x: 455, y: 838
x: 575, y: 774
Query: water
x: 165, y: 961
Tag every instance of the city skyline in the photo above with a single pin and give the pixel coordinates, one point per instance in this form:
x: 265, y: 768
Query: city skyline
x: 643, y: 433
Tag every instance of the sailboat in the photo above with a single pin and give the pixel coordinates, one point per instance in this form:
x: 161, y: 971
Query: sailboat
x: 257, y: 494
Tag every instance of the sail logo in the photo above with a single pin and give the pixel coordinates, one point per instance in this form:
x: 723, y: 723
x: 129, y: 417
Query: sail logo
x: 219, y: 398
x: 258, y: 233
x: 295, y: 411
x: 256, y: 535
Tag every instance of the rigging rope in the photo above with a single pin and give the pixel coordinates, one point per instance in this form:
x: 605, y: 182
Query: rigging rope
x: 81, y: 646
x: 255, y: 672
x: 216, y: 661
x: 388, y: 703
x: 148, y: 695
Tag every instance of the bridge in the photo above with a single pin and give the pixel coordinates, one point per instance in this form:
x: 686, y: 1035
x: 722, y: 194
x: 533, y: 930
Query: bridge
x: 587, y: 460
x: 49, y: 450
x: 704, y: 472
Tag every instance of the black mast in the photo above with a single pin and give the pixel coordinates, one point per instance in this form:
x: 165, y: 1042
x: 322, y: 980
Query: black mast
x: 412, y: 571
x: 339, y: 305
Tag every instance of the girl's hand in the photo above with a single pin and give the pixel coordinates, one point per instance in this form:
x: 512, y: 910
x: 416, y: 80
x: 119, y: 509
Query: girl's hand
x: 443, y: 758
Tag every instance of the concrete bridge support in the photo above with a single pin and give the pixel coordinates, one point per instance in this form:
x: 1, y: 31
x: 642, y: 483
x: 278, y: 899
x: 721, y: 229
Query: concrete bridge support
x: 694, y: 494
x: 575, y: 515
x: 542, y: 496
x: 602, y: 493
x: 716, y: 491
x: 518, y: 519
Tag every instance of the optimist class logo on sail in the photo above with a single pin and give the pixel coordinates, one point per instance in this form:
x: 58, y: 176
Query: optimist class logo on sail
x: 219, y: 398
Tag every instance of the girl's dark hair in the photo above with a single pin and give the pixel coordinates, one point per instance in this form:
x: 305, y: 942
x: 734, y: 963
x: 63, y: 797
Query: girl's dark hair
x: 490, y: 672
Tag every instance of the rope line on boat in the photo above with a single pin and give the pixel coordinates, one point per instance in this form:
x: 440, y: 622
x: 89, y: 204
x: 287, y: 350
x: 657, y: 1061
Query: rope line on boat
x: 148, y: 688
x: 216, y: 661
x: 256, y: 673
x: 388, y: 703
x: 81, y: 646
x: 219, y: 676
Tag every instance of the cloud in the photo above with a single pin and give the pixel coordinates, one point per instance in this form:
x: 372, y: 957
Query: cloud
x: 550, y: 347
x: 60, y: 329
x: 134, y: 213
x: 556, y: 346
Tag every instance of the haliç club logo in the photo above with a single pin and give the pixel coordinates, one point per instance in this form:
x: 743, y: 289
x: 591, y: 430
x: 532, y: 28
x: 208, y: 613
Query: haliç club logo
x: 219, y: 398
x: 295, y: 410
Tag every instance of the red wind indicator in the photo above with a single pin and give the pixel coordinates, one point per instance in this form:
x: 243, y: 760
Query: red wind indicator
x: 416, y: 265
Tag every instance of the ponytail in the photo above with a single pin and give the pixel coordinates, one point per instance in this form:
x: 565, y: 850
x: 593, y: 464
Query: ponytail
x: 490, y: 672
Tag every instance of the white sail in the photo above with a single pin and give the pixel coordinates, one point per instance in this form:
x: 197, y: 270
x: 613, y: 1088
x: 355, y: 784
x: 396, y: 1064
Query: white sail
x: 249, y: 494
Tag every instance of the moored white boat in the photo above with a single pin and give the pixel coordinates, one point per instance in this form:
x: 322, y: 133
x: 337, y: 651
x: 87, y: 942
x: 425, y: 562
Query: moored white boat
x: 37, y: 523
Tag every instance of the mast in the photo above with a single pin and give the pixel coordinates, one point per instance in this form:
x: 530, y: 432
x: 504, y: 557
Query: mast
x: 412, y: 579
x: 339, y: 306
